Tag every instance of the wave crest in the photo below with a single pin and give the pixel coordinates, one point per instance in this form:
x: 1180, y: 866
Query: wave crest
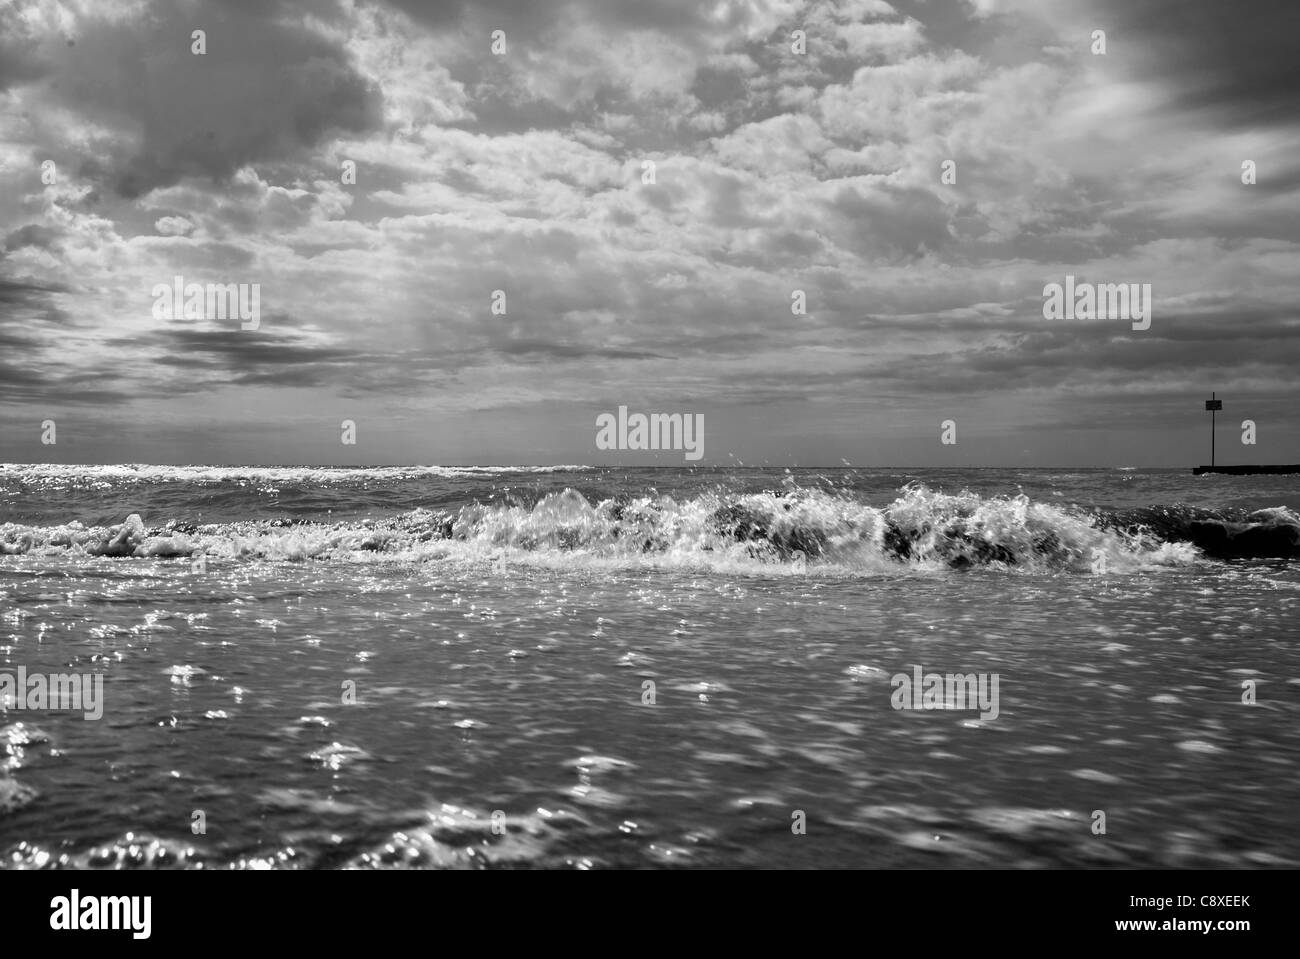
x: 790, y: 529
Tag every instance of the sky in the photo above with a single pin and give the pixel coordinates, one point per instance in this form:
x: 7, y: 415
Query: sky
x: 128, y: 159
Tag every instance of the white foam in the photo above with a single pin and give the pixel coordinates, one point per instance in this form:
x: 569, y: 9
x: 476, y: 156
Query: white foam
x: 791, y: 533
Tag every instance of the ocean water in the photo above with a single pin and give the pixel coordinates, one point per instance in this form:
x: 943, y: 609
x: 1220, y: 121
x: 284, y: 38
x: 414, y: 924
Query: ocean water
x: 588, y: 668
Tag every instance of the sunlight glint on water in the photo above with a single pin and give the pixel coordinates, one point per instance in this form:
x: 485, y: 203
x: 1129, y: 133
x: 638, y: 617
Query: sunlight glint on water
x: 499, y: 627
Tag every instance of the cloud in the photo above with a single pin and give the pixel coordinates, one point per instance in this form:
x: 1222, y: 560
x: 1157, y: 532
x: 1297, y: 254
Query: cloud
x: 33, y: 235
x: 168, y: 113
x: 173, y: 226
x: 774, y: 172
x: 1240, y: 64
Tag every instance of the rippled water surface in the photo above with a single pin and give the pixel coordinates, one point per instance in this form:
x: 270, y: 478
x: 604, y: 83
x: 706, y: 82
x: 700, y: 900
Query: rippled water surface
x: 501, y: 639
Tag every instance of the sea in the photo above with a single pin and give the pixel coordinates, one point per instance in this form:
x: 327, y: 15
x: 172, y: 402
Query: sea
x: 590, y: 668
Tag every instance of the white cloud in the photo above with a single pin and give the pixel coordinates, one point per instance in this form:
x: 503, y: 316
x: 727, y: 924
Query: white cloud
x: 173, y: 226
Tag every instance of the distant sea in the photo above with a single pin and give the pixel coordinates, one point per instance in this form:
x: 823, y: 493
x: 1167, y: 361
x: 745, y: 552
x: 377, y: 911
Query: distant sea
x: 587, y: 668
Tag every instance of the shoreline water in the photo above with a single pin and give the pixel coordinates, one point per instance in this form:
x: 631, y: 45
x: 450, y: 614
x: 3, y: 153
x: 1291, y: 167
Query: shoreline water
x: 341, y: 685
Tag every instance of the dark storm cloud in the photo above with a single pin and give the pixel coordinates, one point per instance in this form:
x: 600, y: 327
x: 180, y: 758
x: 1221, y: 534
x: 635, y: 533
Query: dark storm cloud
x: 16, y: 66
x: 36, y: 365
x: 265, y: 90
x: 203, y: 359
x: 30, y: 306
x: 1239, y: 60
x: 890, y: 220
x: 20, y: 61
x: 33, y: 234
x: 15, y: 294
x: 237, y: 355
x: 228, y: 350
x: 53, y: 384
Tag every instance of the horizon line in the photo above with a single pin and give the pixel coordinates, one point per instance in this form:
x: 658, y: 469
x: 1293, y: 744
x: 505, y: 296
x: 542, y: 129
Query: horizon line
x: 577, y: 466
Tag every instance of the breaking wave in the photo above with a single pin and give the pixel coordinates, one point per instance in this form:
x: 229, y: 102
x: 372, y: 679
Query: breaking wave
x: 794, y: 529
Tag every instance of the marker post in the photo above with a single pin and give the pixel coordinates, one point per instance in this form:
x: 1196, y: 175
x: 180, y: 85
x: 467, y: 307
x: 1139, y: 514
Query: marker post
x: 1213, y: 406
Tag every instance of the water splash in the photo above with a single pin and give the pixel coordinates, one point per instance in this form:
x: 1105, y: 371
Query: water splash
x: 793, y: 529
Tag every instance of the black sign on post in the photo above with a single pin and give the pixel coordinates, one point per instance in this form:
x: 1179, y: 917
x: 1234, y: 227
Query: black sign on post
x: 1213, y: 406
